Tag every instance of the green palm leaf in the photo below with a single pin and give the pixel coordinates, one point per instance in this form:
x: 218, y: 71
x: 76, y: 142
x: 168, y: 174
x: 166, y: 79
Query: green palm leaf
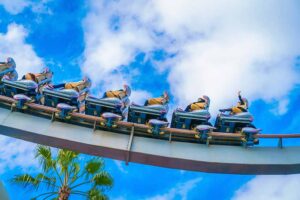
x: 44, y: 155
x: 102, y: 179
x: 94, y: 166
x: 26, y: 180
x: 60, y: 173
x: 96, y: 194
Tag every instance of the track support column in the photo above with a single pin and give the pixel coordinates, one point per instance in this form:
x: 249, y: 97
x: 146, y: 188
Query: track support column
x: 129, y: 145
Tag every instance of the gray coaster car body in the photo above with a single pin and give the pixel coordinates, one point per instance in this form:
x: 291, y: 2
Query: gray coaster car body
x: 53, y: 97
x: 142, y: 114
x: 233, y: 123
x: 189, y: 120
x: 25, y: 87
x: 98, y: 106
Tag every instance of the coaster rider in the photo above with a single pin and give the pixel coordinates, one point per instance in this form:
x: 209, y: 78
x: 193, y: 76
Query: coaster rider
x: 201, y: 104
x: 242, y: 106
x: 162, y: 100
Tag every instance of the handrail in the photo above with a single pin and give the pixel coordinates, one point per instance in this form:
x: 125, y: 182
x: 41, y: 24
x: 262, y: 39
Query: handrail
x: 91, y: 118
x: 270, y: 136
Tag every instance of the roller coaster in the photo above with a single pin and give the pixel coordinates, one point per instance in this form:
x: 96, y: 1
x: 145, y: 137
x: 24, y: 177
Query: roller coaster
x: 37, y: 111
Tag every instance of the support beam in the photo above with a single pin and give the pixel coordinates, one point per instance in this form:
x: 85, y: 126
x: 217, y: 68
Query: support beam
x: 150, y: 151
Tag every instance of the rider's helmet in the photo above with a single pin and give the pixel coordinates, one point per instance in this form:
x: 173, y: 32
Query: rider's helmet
x: 87, y: 81
x: 11, y: 62
x: 45, y: 70
x: 206, y: 99
x: 127, y: 90
x: 166, y: 97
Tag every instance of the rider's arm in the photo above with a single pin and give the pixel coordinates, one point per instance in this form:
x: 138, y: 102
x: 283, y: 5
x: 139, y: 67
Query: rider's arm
x: 241, y: 100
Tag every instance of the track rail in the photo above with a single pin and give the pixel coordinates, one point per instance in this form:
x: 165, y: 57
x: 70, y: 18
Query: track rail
x: 95, y: 119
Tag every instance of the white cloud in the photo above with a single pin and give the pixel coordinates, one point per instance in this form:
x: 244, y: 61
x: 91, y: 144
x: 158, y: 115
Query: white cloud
x: 221, y: 46
x: 13, y: 44
x: 16, y: 153
x: 270, y: 187
x: 17, y: 6
x: 139, y: 96
x: 106, y: 50
x: 179, y: 191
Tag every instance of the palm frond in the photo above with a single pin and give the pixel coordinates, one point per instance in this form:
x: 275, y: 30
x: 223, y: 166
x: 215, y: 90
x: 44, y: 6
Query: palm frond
x: 49, y: 194
x: 65, y: 158
x: 26, y: 181
x: 43, y: 153
x: 94, y: 166
x: 74, y: 171
x: 103, y: 179
x: 49, y: 181
x: 96, y: 194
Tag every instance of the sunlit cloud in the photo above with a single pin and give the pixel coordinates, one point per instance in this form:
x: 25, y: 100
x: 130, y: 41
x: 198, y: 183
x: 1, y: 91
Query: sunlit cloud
x: 217, y: 47
x: 179, y: 191
x: 13, y: 44
x: 270, y: 187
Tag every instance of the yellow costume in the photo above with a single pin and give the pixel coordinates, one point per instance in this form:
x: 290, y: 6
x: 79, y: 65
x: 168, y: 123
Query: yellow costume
x: 78, y: 86
x: 159, y: 100
x: 37, y: 77
x: 117, y: 94
x: 239, y: 108
x: 154, y: 101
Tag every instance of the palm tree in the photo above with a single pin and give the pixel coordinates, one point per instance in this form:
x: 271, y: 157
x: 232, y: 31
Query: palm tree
x: 63, y: 176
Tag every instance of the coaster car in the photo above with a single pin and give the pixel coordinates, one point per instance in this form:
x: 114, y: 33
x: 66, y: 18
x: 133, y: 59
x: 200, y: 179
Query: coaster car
x: 142, y: 114
x: 238, y: 123
x: 103, y: 106
x: 59, y: 97
x: 26, y: 90
x: 233, y: 123
x: 189, y: 120
x: 152, y: 115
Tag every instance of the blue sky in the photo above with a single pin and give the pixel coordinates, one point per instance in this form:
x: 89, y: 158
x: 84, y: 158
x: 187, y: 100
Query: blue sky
x: 188, y: 48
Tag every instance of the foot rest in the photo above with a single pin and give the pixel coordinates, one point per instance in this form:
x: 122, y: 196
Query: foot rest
x: 156, y: 122
x: 155, y: 126
x: 203, y: 128
x: 110, y: 120
x: 65, y: 110
x: 108, y: 115
x: 203, y: 131
x: 21, y: 100
x: 64, y: 106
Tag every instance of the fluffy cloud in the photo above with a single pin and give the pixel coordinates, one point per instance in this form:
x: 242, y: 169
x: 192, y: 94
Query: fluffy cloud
x: 13, y: 44
x: 16, y: 153
x: 180, y: 191
x: 270, y: 187
x: 218, y: 47
x: 16, y: 6
x: 109, y: 47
